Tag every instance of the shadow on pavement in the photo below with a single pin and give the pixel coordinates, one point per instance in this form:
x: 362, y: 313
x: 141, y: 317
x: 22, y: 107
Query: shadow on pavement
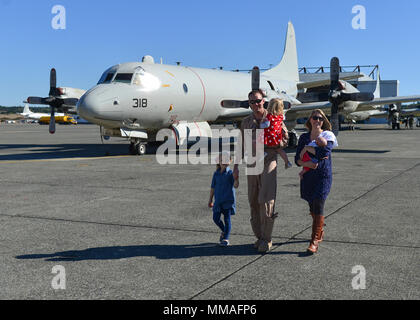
x: 157, y: 251
x: 61, y: 151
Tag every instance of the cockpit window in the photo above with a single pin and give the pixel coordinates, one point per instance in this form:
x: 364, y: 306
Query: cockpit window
x: 123, y: 77
x: 107, y: 76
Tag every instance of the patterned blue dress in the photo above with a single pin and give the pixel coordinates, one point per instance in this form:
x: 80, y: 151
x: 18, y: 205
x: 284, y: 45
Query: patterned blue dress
x: 316, y: 184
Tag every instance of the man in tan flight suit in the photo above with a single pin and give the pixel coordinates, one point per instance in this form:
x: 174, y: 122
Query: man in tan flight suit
x: 262, y: 188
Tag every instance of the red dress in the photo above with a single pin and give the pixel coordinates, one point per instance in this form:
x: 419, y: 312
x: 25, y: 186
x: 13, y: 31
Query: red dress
x: 273, y: 134
x: 306, y: 158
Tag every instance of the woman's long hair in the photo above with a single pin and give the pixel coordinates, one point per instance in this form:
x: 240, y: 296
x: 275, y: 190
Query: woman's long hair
x: 326, y: 125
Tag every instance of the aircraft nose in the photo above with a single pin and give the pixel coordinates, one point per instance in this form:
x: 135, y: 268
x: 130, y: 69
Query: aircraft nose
x: 99, y: 103
x: 88, y: 106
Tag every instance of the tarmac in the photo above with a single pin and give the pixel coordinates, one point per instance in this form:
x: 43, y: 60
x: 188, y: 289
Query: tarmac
x: 81, y: 219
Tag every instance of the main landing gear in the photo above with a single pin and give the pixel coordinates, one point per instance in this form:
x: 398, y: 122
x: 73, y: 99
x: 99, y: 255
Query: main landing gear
x: 137, y: 147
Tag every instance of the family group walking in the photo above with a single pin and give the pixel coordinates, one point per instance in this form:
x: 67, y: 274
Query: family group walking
x: 313, y: 154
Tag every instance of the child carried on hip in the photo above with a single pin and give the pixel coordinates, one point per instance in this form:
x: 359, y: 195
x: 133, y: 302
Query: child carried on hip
x: 310, y: 162
x: 273, y: 125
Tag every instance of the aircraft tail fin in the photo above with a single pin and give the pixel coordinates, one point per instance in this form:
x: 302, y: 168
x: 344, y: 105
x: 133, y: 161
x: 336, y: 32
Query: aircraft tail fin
x: 377, y: 93
x: 287, y: 69
x: 26, y: 109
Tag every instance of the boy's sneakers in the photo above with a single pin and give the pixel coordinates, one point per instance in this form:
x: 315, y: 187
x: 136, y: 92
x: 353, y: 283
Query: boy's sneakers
x: 224, y: 243
x: 288, y: 165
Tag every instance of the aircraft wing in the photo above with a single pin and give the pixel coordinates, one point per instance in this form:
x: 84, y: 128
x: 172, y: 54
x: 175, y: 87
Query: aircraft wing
x: 296, y: 111
x: 389, y: 100
x: 325, y: 80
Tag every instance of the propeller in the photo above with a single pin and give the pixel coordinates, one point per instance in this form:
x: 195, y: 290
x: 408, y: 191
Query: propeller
x: 255, y: 85
x: 53, y: 99
x: 337, y: 97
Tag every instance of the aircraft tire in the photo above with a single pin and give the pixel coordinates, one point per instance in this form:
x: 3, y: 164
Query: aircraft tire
x: 141, y: 148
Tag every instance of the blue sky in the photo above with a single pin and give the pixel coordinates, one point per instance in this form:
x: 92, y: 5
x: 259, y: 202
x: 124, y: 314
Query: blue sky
x: 235, y: 34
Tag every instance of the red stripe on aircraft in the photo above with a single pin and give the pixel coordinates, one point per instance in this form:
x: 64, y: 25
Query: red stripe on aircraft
x: 204, y: 92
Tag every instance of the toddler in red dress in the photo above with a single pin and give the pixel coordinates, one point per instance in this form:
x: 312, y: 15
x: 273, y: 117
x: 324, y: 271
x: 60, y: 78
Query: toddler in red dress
x: 272, y: 126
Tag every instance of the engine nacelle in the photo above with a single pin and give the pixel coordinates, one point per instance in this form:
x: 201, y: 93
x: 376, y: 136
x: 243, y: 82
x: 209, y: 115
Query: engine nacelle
x: 349, y: 106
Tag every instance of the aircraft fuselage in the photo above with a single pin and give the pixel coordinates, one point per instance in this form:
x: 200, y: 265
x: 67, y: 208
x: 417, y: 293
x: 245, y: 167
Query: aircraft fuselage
x: 155, y: 95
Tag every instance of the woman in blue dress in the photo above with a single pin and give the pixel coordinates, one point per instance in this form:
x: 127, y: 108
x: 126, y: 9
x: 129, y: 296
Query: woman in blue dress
x: 316, y: 184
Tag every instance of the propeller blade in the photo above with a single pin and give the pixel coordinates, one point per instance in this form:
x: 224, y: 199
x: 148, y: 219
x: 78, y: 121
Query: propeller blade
x: 53, y: 82
x: 357, y: 96
x: 70, y: 101
x: 334, y: 99
x: 306, y: 97
x: 334, y: 119
x: 36, y: 100
x: 255, y: 78
x: 52, y: 121
x: 334, y: 73
x: 233, y: 104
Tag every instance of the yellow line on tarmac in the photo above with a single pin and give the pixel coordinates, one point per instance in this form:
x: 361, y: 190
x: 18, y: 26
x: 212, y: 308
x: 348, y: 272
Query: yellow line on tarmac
x: 63, y: 159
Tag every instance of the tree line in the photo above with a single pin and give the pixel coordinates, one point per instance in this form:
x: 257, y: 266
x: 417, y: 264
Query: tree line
x: 16, y: 109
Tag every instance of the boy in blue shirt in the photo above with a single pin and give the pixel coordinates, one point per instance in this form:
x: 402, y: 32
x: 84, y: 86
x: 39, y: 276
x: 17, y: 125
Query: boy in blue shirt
x: 223, y: 187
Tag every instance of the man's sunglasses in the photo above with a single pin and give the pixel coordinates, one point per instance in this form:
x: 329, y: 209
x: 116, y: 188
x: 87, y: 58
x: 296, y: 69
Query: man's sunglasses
x: 315, y: 118
x: 255, y: 101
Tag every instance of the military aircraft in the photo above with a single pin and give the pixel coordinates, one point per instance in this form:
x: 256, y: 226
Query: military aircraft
x: 135, y: 100
x: 383, y: 113
x: 28, y: 114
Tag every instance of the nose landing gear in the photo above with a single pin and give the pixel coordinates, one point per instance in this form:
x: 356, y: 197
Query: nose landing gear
x: 137, y: 147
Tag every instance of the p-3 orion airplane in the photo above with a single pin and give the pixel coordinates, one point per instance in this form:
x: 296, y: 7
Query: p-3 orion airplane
x: 135, y: 100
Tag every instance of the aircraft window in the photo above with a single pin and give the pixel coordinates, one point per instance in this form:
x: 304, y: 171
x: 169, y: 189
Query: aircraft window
x: 185, y: 88
x: 106, y: 75
x: 109, y: 77
x: 123, y: 77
